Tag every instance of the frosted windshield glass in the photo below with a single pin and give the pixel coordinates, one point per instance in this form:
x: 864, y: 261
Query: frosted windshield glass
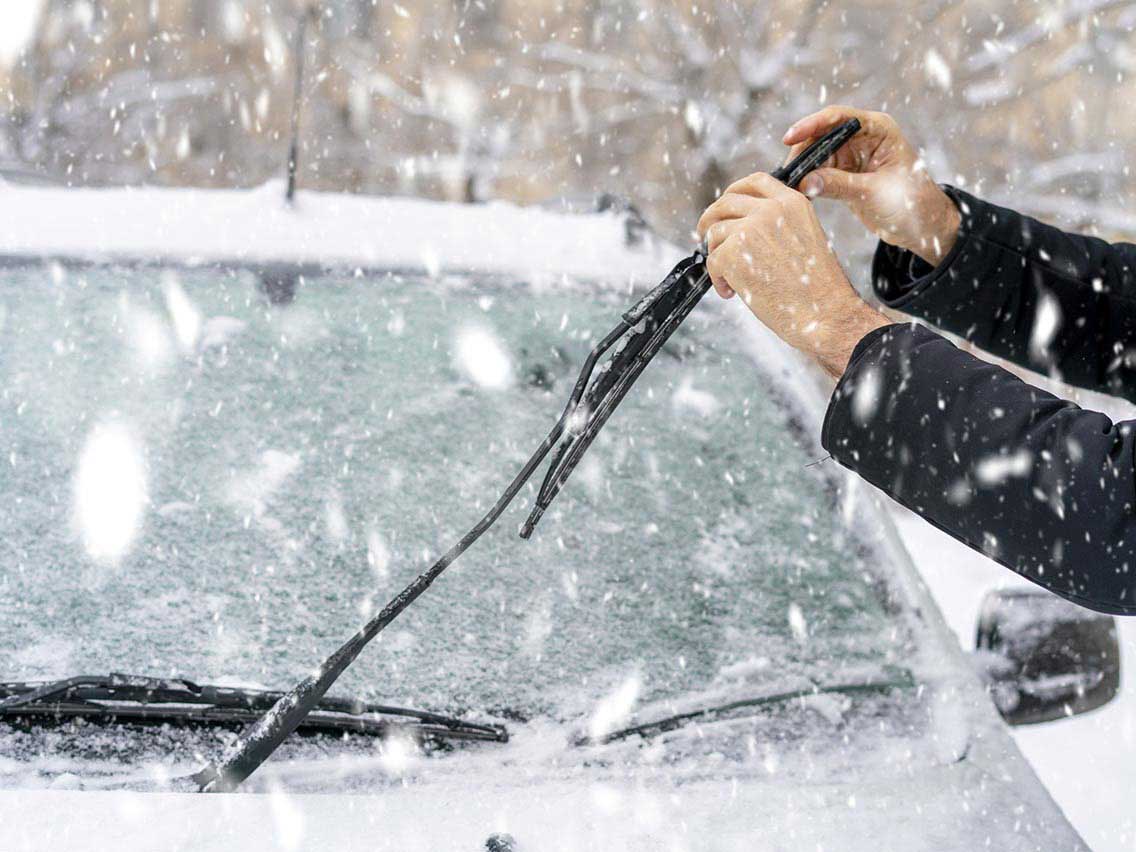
x: 196, y: 482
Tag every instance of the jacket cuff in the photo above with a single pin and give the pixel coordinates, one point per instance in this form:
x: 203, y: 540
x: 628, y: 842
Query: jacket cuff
x: 860, y: 392
x: 902, y: 279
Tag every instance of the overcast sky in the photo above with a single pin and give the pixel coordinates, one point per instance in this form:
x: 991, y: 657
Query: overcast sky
x: 17, y: 18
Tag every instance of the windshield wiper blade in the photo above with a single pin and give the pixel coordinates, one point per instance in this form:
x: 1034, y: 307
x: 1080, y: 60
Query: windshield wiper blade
x: 730, y: 709
x: 641, y: 332
x: 140, y: 698
x: 652, y: 320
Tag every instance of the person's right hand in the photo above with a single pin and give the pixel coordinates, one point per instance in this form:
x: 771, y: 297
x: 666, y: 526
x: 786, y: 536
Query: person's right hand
x: 881, y: 178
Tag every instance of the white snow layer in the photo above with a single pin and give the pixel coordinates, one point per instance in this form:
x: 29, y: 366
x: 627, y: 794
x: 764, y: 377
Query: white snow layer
x: 924, y: 811
x: 203, y: 226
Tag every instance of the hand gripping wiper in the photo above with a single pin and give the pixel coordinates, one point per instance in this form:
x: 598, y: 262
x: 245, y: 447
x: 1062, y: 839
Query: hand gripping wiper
x: 640, y: 334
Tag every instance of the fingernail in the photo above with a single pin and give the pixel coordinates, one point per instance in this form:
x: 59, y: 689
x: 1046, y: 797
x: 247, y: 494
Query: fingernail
x: 814, y: 186
x: 788, y: 133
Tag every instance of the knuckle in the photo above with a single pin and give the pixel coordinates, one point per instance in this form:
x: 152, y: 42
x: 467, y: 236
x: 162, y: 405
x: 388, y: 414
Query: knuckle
x: 762, y: 216
x: 708, y: 218
x: 740, y: 186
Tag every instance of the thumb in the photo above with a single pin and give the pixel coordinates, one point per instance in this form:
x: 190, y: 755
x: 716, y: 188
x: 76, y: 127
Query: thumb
x: 836, y: 183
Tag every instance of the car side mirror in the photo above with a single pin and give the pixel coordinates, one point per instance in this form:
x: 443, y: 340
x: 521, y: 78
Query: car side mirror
x: 1045, y: 658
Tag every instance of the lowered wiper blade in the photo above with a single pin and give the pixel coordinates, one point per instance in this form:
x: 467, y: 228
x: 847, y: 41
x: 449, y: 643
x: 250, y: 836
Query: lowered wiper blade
x: 731, y: 709
x: 641, y: 332
x: 139, y: 698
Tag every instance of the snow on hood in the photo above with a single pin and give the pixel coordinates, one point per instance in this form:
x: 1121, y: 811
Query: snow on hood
x: 955, y: 807
x: 202, y: 226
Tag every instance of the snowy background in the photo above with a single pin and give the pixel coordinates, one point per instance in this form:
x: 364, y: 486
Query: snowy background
x: 530, y: 100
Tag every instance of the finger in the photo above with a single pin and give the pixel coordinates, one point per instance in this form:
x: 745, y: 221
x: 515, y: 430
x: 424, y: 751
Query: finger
x: 838, y: 184
x: 717, y: 234
x: 822, y: 121
x: 795, y: 150
x: 873, y: 124
x: 723, y: 261
x: 716, y: 265
x: 721, y: 231
x: 761, y: 185
x: 730, y: 206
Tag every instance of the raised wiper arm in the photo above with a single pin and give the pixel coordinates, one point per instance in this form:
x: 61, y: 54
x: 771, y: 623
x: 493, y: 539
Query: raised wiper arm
x: 134, y: 697
x: 641, y: 332
x: 651, y: 321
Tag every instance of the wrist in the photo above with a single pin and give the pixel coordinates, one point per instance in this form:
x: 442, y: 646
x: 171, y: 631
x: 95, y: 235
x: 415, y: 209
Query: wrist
x: 843, y: 334
x: 939, y: 228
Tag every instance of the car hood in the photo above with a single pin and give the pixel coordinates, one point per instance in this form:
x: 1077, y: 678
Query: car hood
x: 956, y: 806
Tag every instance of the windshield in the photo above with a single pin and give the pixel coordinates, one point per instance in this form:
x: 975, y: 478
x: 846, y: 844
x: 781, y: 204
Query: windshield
x: 200, y: 483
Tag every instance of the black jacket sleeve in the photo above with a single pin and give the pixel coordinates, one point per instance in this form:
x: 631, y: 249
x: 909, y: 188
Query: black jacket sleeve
x: 1038, y: 484
x: 1058, y: 303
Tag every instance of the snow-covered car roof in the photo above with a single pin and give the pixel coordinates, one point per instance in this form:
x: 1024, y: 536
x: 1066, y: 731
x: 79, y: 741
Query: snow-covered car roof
x: 321, y: 230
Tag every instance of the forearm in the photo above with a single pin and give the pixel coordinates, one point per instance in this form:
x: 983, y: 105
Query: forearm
x: 1036, y: 483
x: 1057, y: 303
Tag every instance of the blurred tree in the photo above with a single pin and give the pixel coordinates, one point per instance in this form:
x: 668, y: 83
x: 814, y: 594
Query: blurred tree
x: 534, y: 99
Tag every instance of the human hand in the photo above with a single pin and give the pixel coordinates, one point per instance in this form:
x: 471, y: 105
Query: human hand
x: 881, y: 178
x: 766, y: 243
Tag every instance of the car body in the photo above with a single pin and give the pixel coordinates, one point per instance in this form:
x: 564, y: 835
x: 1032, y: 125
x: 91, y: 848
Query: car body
x: 211, y: 475
x: 1085, y: 761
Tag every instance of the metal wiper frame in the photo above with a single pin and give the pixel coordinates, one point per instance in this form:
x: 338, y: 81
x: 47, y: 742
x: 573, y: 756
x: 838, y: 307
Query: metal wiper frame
x: 139, y: 699
x: 641, y: 333
x: 651, y: 321
x: 744, y: 706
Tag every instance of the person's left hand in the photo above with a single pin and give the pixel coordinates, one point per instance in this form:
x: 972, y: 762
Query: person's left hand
x: 766, y: 243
